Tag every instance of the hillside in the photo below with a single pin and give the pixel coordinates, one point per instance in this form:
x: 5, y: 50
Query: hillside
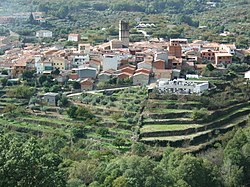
x: 157, y: 110
x: 90, y: 17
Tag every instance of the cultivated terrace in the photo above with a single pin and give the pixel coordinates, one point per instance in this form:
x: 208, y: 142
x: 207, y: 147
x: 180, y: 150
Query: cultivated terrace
x: 124, y: 93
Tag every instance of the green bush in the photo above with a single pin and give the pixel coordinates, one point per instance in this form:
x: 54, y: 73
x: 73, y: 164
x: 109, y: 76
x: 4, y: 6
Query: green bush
x: 200, y: 114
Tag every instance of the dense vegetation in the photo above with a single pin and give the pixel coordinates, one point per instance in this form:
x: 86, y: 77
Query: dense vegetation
x: 26, y: 161
x: 97, y: 139
x: 173, y: 18
x: 122, y: 139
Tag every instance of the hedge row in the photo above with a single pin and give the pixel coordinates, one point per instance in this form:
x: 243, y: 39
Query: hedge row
x: 209, y: 126
x: 43, y: 123
x: 175, y: 106
x: 168, y: 115
x: 168, y: 121
x: 196, y: 140
x: 225, y: 111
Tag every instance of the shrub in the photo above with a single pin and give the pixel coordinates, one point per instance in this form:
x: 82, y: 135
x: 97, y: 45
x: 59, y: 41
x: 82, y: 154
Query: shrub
x: 200, y: 114
x: 102, y: 131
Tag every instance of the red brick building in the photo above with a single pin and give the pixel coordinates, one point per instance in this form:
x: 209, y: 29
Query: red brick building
x: 87, y: 84
x: 159, y: 64
x: 208, y: 55
x: 174, y: 51
x: 223, y: 58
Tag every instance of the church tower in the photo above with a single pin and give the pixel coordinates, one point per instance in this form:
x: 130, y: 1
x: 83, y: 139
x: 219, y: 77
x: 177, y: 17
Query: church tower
x: 124, y: 33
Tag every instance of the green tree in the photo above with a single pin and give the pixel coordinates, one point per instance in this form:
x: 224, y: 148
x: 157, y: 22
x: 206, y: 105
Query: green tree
x: 85, y: 171
x: 4, y: 82
x: 21, y: 92
x: 56, y: 71
x: 210, y: 67
x: 200, y: 114
x: 102, y: 131
x: 33, y: 101
x: 196, y: 173
x: 4, y: 72
x: 63, y: 102
x: 24, y: 162
x: 79, y: 132
x: 42, y: 79
x: 76, y: 85
x: 72, y: 111
x: 119, y: 142
x: 28, y: 75
x: 138, y: 148
x: 122, y: 171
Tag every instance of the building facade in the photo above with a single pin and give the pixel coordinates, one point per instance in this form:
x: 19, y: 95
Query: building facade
x: 124, y: 33
x: 182, y: 86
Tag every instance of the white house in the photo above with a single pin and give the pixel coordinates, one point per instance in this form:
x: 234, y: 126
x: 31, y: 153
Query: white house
x: 79, y: 60
x: 38, y: 64
x: 42, y: 65
x: 110, y: 62
x: 74, y: 37
x: 247, y: 75
x: 182, y: 86
x: 44, y: 34
x: 229, y: 48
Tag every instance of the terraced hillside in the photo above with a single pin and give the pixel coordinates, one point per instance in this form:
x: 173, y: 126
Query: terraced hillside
x: 111, y: 130
x: 172, y: 122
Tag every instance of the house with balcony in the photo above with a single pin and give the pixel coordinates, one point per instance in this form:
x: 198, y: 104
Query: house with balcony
x: 182, y: 86
x: 223, y: 59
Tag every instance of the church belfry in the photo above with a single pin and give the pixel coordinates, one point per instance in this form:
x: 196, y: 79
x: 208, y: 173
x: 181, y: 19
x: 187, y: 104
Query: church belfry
x: 124, y: 33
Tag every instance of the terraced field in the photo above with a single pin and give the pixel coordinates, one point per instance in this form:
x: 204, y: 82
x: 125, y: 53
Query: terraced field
x: 170, y: 122
x: 115, y: 113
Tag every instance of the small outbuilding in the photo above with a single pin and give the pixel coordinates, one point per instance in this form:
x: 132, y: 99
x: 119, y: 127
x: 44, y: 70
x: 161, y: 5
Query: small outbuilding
x: 51, y: 98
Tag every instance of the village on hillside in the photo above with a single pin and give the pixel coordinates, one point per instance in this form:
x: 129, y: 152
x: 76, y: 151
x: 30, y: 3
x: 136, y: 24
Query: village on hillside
x: 120, y: 63
x: 124, y: 93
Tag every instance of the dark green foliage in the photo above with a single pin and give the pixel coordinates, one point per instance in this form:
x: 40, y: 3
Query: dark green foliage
x: 63, y: 101
x: 4, y: 72
x: 24, y: 162
x: 236, y: 160
x: 79, y: 112
x: 22, y: 92
x: 72, y: 111
x: 42, y: 79
x: 28, y: 75
x: 210, y: 67
x: 119, y: 142
x: 4, y: 82
x: 201, y: 114
x: 79, y: 132
x: 76, y: 85
x: 102, y: 131
x: 56, y: 72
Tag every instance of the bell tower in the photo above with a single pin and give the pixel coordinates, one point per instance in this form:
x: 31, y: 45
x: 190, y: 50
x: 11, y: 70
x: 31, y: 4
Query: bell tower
x: 124, y: 33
